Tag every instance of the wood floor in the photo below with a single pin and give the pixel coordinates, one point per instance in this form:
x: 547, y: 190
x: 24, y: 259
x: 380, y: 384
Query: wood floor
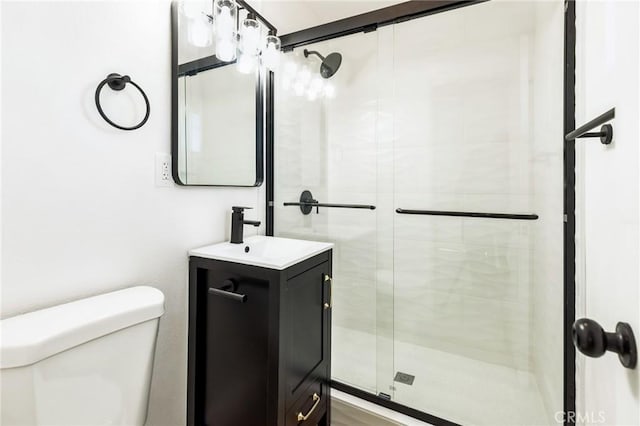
x: 345, y: 414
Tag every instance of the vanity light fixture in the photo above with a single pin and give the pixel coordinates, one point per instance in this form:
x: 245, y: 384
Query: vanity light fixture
x: 271, y: 53
x: 249, y: 46
x: 246, y: 43
x: 225, y: 29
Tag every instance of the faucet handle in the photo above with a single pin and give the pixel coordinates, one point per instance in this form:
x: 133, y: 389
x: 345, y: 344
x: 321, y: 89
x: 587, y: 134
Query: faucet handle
x: 239, y: 209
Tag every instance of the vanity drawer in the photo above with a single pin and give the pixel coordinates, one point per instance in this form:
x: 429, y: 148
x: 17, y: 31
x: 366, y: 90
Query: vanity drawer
x: 311, y: 405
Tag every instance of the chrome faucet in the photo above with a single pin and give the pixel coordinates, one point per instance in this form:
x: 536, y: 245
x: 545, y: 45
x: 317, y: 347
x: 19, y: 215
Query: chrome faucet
x: 238, y: 222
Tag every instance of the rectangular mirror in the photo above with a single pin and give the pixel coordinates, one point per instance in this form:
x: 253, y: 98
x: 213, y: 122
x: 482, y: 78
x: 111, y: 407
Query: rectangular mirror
x: 217, y: 113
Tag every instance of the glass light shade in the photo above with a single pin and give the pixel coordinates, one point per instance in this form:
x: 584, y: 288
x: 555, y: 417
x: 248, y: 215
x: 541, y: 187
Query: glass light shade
x: 271, y: 53
x: 250, y: 37
x: 225, y: 25
x: 247, y: 64
x: 200, y: 31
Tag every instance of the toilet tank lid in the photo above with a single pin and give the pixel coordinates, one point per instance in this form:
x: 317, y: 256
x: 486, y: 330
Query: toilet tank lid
x: 31, y: 337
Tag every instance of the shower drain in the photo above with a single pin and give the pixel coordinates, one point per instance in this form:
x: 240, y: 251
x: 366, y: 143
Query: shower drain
x: 404, y: 378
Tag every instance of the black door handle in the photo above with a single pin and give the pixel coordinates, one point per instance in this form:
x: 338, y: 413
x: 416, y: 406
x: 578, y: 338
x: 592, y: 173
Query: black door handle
x: 591, y: 339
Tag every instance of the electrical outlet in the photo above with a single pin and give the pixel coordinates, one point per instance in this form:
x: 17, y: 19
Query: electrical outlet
x: 163, y: 169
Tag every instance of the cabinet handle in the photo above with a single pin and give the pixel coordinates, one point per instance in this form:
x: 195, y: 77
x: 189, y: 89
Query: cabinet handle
x: 303, y: 417
x: 228, y: 294
x: 328, y: 305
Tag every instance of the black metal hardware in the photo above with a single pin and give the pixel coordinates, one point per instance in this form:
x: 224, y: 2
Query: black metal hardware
x: 569, y: 207
x: 591, y: 339
x: 384, y: 400
x: 370, y: 20
x: 238, y: 222
x: 244, y: 5
x: 606, y: 131
x: 307, y: 203
x: 228, y: 285
x: 330, y: 64
x: 118, y: 82
x: 469, y: 214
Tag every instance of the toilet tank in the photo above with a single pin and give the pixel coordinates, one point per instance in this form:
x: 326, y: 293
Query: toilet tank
x: 87, y: 362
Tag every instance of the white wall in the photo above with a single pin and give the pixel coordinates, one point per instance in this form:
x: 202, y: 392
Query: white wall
x: 80, y: 212
x: 608, y: 203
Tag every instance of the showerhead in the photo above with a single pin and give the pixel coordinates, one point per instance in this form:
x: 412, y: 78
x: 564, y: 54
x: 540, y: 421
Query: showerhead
x: 330, y: 64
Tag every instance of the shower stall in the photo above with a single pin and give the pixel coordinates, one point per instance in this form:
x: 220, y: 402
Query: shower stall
x: 435, y: 157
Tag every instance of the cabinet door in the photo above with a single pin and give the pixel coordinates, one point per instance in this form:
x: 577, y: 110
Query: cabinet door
x: 236, y: 351
x: 307, y: 347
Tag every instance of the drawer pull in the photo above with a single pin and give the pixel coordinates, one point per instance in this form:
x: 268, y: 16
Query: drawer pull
x: 328, y: 305
x: 302, y: 417
x: 228, y: 285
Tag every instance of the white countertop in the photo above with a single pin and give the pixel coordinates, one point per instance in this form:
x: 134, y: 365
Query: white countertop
x: 266, y: 252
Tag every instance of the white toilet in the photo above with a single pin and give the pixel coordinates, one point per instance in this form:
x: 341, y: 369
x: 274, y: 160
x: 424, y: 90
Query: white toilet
x: 86, y: 363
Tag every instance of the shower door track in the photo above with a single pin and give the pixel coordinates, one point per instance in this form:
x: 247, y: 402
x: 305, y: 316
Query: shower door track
x: 406, y: 11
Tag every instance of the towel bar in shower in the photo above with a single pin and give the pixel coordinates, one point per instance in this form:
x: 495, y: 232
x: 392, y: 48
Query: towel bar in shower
x: 606, y: 131
x: 469, y: 214
x: 307, y: 203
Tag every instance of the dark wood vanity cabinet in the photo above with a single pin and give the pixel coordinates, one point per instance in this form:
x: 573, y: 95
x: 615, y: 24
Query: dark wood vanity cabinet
x: 259, y: 343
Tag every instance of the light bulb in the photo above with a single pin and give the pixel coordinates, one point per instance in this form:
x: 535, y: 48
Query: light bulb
x: 224, y: 22
x: 271, y: 53
x: 247, y: 63
x: 250, y: 36
x: 225, y: 50
x: 225, y: 17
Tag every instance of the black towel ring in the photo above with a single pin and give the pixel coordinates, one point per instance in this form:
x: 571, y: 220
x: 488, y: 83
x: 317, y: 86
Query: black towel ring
x: 118, y: 82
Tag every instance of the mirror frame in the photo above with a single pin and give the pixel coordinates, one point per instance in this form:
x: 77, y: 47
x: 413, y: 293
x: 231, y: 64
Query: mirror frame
x: 263, y: 93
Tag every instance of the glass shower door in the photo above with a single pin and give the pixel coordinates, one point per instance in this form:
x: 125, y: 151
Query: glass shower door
x: 460, y: 317
x: 478, y: 129
x: 328, y: 145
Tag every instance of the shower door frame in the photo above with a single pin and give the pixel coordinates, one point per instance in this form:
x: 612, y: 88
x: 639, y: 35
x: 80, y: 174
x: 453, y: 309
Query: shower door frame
x: 406, y: 11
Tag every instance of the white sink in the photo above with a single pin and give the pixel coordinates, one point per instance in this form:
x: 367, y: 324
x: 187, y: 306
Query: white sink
x: 267, y: 252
